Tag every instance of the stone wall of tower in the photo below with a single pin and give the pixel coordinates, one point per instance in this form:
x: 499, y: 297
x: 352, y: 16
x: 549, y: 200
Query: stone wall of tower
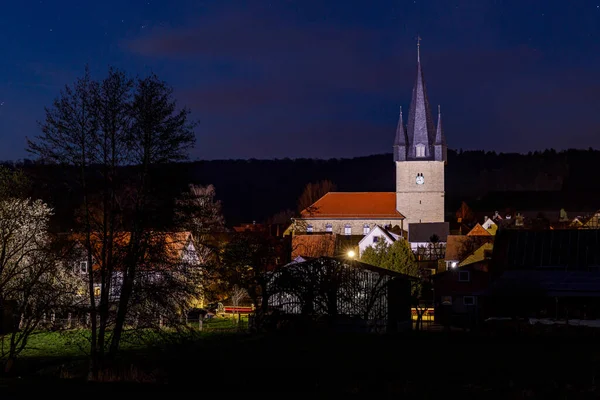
x: 420, y: 203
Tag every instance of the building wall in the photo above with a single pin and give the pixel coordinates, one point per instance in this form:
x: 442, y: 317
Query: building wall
x: 356, y: 225
x: 420, y: 203
x: 317, y: 245
x: 448, y: 284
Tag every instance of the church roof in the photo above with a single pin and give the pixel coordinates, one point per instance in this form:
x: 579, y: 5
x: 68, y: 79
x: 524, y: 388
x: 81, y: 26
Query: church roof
x: 420, y: 130
x: 439, y: 132
x: 420, y: 122
x: 368, y: 205
x: 401, y: 139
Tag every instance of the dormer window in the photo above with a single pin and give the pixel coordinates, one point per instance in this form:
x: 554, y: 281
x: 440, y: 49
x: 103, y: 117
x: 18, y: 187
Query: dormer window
x: 420, y: 149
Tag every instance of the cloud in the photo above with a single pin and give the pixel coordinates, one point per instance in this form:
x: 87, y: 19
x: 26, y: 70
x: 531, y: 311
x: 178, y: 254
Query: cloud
x: 274, y: 85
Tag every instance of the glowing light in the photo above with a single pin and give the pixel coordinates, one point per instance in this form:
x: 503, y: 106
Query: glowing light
x: 454, y: 264
x: 351, y: 254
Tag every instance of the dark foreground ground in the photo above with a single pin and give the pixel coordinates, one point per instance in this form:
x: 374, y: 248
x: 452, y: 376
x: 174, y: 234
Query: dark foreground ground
x: 416, y: 365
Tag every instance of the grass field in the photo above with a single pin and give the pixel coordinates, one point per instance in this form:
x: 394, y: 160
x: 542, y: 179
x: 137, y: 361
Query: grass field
x: 414, y: 365
x: 75, y: 342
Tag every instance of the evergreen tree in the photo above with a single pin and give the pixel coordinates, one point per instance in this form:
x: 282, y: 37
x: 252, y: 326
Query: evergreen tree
x: 396, y: 257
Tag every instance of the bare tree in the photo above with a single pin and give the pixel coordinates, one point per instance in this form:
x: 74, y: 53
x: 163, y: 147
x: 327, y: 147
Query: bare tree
x: 99, y: 127
x: 330, y: 288
x: 317, y: 245
x: 282, y: 217
x: 68, y: 134
x: 237, y: 295
x: 464, y: 215
x: 160, y: 133
x: 247, y: 262
x: 197, y: 211
x: 313, y: 192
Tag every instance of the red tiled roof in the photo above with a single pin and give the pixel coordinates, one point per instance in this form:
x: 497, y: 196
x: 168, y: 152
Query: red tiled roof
x: 174, y: 242
x: 372, y: 205
x: 478, y: 230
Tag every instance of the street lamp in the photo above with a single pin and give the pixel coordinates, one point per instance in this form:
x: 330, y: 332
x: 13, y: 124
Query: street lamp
x: 351, y: 254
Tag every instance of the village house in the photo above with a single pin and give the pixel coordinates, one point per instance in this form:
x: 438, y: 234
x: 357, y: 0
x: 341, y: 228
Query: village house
x: 168, y: 252
x: 428, y: 240
x: 474, y: 244
x: 376, y: 236
x: 458, y: 292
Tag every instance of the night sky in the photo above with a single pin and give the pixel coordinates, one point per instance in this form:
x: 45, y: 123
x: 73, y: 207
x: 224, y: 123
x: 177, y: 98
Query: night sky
x: 319, y: 78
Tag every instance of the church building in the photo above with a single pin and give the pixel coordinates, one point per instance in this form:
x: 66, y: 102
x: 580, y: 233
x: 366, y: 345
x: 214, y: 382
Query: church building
x: 420, y: 156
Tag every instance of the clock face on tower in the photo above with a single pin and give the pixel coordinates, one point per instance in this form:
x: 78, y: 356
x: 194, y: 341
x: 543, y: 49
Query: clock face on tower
x: 420, y: 179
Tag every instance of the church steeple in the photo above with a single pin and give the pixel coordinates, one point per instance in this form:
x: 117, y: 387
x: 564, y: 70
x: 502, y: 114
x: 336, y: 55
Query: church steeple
x: 421, y: 134
x: 401, y: 140
x: 440, y: 148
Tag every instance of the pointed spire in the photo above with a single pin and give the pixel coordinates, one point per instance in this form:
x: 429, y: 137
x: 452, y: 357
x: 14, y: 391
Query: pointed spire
x: 400, y: 132
x: 440, y: 148
x: 420, y: 123
x: 401, y: 140
x: 439, y: 133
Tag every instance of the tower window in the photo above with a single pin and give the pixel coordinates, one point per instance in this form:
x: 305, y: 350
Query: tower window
x: 366, y: 229
x: 347, y: 229
x: 328, y: 228
x: 309, y: 229
x: 420, y: 149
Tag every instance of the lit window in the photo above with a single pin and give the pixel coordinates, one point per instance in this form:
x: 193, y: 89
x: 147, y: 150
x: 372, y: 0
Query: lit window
x: 97, y: 291
x: 420, y: 150
x: 328, y: 228
x: 309, y: 229
x: 347, y: 230
x: 366, y: 229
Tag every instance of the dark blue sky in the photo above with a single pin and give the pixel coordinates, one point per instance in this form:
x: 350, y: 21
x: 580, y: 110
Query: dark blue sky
x: 319, y: 78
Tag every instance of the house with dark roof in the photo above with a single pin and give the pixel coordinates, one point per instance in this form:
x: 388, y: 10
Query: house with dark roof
x: 428, y: 242
x: 420, y: 156
x: 546, y: 273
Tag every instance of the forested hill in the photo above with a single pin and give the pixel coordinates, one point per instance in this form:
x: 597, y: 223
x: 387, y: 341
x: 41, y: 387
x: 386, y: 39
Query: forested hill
x: 257, y: 189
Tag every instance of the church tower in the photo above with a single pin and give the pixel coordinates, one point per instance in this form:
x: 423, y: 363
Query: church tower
x: 420, y: 154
